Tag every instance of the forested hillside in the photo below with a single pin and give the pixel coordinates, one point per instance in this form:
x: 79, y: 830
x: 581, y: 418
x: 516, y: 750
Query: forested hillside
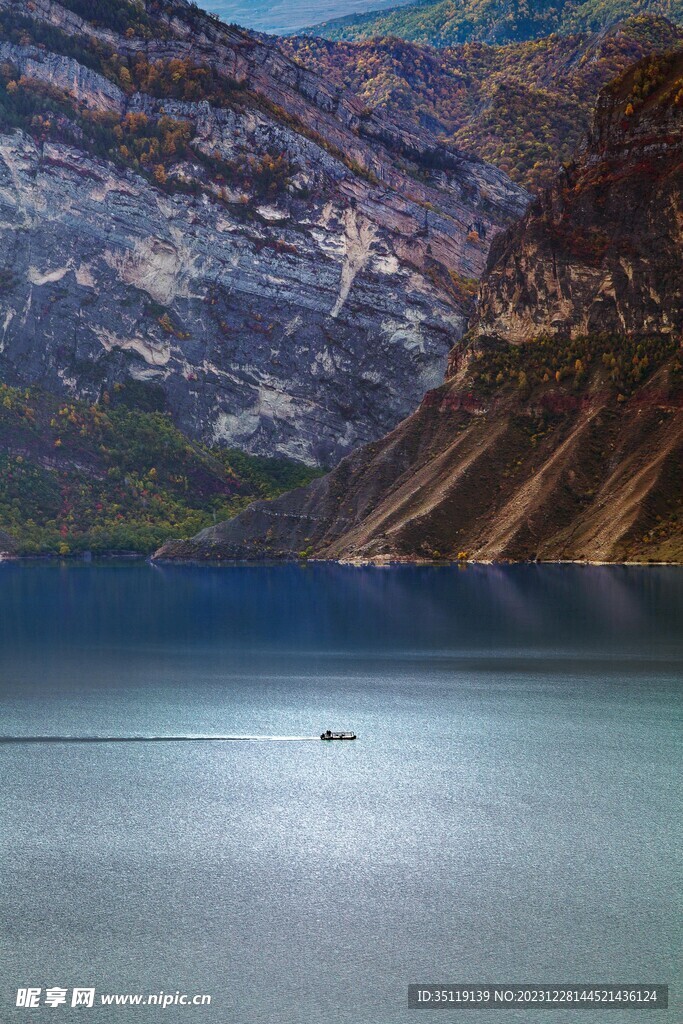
x: 449, y: 22
x: 116, y: 476
x: 524, y: 107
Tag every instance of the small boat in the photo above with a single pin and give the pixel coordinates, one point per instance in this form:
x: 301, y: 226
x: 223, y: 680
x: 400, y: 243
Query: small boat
x: 337, y: 735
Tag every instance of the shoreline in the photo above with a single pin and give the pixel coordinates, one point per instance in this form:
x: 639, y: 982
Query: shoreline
x: 382, y: 562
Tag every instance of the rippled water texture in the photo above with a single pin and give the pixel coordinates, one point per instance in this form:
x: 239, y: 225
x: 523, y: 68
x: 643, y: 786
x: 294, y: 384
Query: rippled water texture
x: 509, y: 812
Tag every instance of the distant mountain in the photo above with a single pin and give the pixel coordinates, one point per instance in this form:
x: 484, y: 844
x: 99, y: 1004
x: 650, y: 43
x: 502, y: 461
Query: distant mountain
x: 183, y: 206
x: 449, y: 22
x: 558, y: 433
x: 280, y: 16
x: 525, y: 107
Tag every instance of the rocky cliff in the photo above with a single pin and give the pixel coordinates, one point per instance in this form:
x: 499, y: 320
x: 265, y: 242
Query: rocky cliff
x: 183, y: 205
x: 601, y: 251
x: 558, y: 433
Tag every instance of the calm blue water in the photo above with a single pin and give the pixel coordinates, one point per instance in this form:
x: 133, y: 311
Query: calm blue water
x: 510, y: 811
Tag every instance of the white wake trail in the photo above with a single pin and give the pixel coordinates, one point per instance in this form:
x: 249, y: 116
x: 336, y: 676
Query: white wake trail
x: 187, y: 738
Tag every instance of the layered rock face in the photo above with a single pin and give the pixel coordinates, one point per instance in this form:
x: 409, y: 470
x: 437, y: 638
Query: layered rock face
x: 600, y: 251
x: 559, y: 431
x: 291, y: 281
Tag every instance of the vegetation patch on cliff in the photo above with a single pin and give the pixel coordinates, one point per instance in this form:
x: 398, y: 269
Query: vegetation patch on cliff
x: 117, y: 476
x: 624, y: 362
x: 158, y: 147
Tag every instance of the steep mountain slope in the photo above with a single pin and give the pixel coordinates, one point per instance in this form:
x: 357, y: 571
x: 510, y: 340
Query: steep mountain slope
x: 548, y: 440
x: 525, y: 107
x: 183, y: 205
x: 449, y: 22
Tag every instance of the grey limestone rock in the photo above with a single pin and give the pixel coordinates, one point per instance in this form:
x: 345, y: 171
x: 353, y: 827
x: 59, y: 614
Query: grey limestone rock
x: 302, y: 323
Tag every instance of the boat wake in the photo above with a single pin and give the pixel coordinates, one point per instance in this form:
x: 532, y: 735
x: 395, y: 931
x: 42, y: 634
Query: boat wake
x: 188, y: 738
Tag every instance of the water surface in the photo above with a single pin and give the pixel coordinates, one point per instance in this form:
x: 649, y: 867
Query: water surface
x: 510, y: 811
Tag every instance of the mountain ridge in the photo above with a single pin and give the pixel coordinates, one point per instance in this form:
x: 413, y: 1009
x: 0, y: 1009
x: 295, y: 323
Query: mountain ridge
x: 216, y: 220
x: 546, y: 441
x: 525, y: 107
x: 450, y: 22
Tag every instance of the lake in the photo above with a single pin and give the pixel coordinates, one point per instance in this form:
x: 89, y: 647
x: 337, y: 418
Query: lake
x: 286, y: 16
x: 510, y: 811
